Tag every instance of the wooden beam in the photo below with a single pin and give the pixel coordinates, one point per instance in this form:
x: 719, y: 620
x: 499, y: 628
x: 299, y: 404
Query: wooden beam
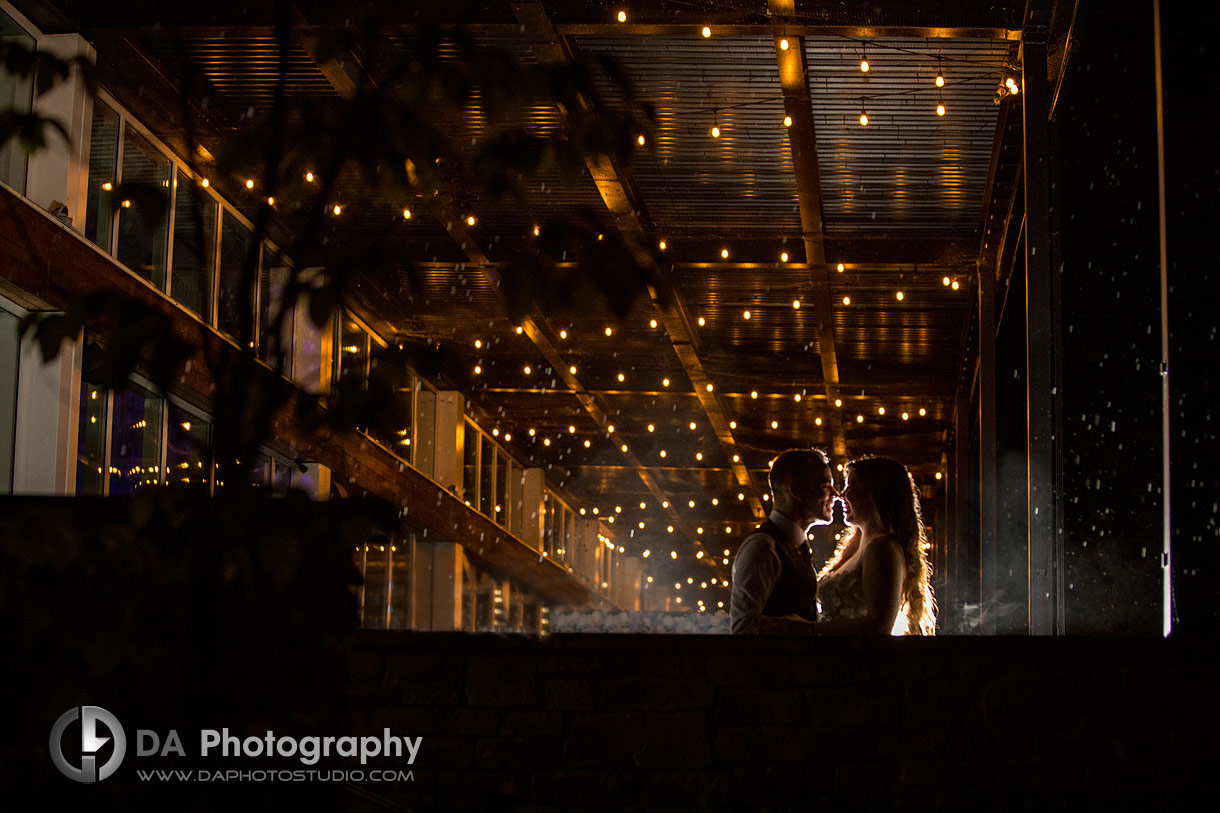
x: 802, y: 139
x: 623, y: 203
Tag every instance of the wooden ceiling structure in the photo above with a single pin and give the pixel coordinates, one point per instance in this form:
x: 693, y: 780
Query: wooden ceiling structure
x: 821, y: 277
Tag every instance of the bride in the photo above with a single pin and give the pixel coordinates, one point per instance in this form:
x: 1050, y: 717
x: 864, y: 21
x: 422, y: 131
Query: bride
x: 878, y: 580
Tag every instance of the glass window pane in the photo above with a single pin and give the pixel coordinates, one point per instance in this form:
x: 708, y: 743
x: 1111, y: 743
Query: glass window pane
x: 194, y: 247
x: 376, y: 586
x: 236, y: 243
x: 353, y: 355
x: 10, y: 351
x: 103, y: 174
x: 470, y: 466
x: 501, y: 487
x: 487, y: 470
x: 144, y: 211
x: 91, y: 440
x: 16, y: 92
x: 187, y: 440
x: 400, y: 584
x: 135, y: 442
x: 272, y: 283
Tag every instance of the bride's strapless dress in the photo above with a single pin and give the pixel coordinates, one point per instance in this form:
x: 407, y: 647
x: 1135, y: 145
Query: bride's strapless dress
x: 841, y: 595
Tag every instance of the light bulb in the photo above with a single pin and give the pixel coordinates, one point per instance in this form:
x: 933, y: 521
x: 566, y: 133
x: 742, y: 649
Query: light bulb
x: 839, y: 268
x: 863, y: 119
x: 707, y: 32
x: 954, y: 285
x: 783, y: 44
x: 640, y: 139
x: 940, y: 79
x: 787, y: 121
x: 796, y: 304
x: 249, y: 184
x: 745, y: 315
x: 783, y: 256
x: 715, y: 131
x: 945, y: 282
x: 847, y: 300
x: 470, y: 220
x: 338, y: 209
x: 899, y: 296
x: 864, y: 65
x: 724, y: 253
x: 940, y: 110
x: 661, y: 245
x: 406, y: 214
x: 622, y: 16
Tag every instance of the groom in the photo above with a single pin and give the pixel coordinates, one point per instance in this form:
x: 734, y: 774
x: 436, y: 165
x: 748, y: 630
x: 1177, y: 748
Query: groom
x: 773, y: 570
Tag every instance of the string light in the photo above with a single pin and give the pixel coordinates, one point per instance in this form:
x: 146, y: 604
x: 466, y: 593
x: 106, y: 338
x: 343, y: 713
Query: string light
x: 527, y: 372
x: 864, y: 66
x: 783, y: 44
x: 610, y: 332
x: 664, y: 382
x: 249, y: 183
x: 838, y: 402
x: 337, y: 210
x: 563, y: 334
x: 840, y: 268
x: 787, y: 121
x: 923, y: 411
x: 940, y: 108
x: 309, y: 177
x: 640, y: 139
x: 880, y: 410
x: 622, y: 16
x: 470, y: 221
x: 899, y: 296
x: 945, y: 282
x: 847, y: 300
x: 906, y: 416
x: 520, y: 330
x: 955, y: 285
x: 863, y: 114
x: 622, y: 377
x: 204, y: 183
x: 707, y: 32
x: 724, y: 253
x: 661, y: 245
x: 572, y: 369
x: 745, y: 314
x: 817, y: 421
x: 406, y: 214
x: 796, y: 304
x: 702, y: 321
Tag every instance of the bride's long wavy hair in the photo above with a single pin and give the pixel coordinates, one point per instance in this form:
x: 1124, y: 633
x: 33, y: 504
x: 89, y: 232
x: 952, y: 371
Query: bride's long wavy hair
x: 896, y: 498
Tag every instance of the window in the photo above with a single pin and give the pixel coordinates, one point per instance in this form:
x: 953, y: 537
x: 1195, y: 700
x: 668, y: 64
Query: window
x: 188, y: 440
x: 272, y: 286
x: 135, y: 442
x: 194, y: 262
x: 143, y: 213
x: 352, y: 360
x: 103, y: 175
x: 16, y: 93
x: 236, y: 244
x: 10, y: 352
x: 91, y: 442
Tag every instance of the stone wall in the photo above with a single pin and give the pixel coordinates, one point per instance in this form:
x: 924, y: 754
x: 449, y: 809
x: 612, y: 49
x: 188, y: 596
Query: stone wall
x: 717, y: 722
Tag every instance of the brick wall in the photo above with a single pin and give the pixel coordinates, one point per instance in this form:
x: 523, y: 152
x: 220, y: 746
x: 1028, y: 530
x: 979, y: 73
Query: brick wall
x: 698, y: 722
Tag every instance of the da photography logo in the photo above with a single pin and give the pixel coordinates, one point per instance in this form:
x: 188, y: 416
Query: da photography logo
x: 91, y: 743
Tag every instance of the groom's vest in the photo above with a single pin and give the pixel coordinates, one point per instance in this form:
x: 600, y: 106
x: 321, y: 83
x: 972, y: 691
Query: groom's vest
x: 796, y: 590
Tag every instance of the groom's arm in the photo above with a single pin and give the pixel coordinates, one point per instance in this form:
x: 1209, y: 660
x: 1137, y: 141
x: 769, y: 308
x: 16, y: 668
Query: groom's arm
x: 756, y: 569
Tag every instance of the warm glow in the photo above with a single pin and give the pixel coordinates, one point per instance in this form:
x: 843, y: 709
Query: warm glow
x: 863, y: 119
x: 923, y: 411
x: 622, y: 16
x: 621, y: 377
x: 651, y: 428
x: 775, y: 424
x: 787, y: 121
x: 838, y: 402
x: 745, y: 314
x: 661, y: 245
x: 309, y: 177
x: 796, y: 304
x: 754, y: 393
x: 664, y: 382
x: 817, y: 421
x: 859, y: 419
x: 940, y: 110
x: 840, y: 268
x: 406, y: 214
x: 940, y: 79
x: 954, y: 285
x: 847, y: 300
x: 945, y: 282
x: 724, y: 253
x: 204, y: 183
x: 470, y: 220
x: 520, y: 330
x: 249, y: 184
x: 640, y: 139
x: 906, y: 416
x: 652, y: 323
x: 527, y: 372
x: 707, y: 32
x: 338, y: 209
x: 662, y: 453
x: 709, y: 387
x: 563, y: 334
x: 609, y: 332
x: 572, y: 370
x: 864, y: 65
x: 107, y: 186
x: 938, y: 475
x: 715, y: 131
x: 783, y: 45
x: 899, y: 296
x: 702, y: 321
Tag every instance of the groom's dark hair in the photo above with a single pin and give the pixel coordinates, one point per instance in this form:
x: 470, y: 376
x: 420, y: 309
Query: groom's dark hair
x: 793, y: 464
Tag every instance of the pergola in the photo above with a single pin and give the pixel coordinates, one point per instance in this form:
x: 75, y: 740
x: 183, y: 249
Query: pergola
x: 833, y: 244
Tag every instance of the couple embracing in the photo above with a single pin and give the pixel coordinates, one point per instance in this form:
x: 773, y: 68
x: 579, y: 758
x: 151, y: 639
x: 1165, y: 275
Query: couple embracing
x: 877, y: 581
